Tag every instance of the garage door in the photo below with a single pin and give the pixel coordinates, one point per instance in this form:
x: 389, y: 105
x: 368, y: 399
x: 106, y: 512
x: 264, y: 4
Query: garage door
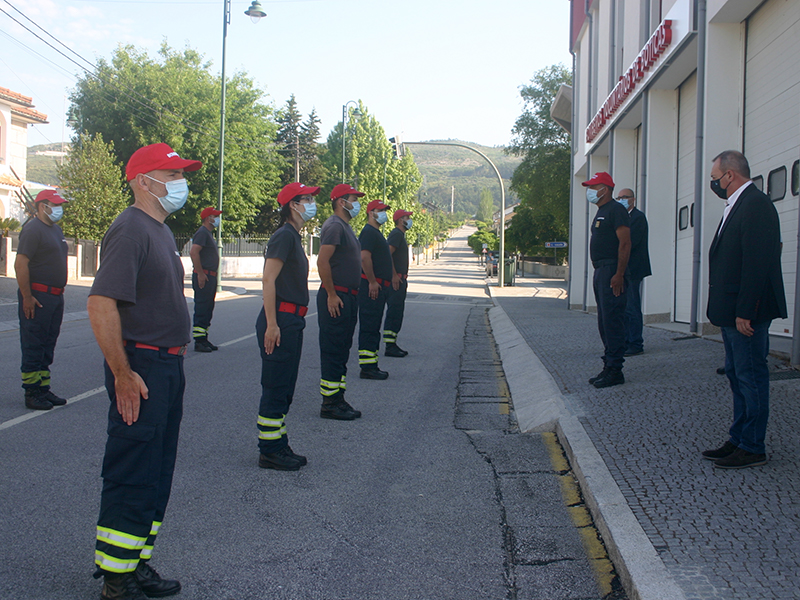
x: 772, y: 121
x: 684, y: 205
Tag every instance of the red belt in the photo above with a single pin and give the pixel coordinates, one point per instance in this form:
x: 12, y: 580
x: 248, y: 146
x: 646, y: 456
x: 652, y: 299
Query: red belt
x: 207, y: 272
x: 295, y: 309
x: 345, y: 290
x: 177, y: 350
x: 48, y: 289
x: 383, y: 282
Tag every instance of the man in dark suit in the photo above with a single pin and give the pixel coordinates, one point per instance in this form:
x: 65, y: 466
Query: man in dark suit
x: 745, y: 293
x: 638, y: 269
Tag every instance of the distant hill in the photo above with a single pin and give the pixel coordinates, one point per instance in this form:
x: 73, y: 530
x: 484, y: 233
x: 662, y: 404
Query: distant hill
x: 443, y: 167
x: 43, y: 169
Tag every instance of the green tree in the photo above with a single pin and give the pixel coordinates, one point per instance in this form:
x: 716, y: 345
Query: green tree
x: 485, y: 207
x: 93, y: 183
x: 542, y: 180
x: 288, y: 138
x: 135, y: 100
x: 311, y: 168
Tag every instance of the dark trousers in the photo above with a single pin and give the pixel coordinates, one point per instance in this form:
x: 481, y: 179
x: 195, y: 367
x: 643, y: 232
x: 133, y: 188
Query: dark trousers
x: 139, y: 462
x: 634, y: 323
x: 610, y: 316
x: 746, y: 368
x: 335, y: 340
x: 203, y: 305
x: 395, y: 307
x: 278, y: 379
x: 370, y: 316
x: 37, y: 337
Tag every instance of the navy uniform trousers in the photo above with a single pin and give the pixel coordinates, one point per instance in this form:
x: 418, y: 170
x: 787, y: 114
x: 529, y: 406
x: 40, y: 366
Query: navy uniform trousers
x: 139, y: 462
x: 278, y: 379
x: 38, y: 336
x: 370, y: 316
x: 395, y: 308
x: 610, y: 314
x: 204, y: 299
x: 335, y: 340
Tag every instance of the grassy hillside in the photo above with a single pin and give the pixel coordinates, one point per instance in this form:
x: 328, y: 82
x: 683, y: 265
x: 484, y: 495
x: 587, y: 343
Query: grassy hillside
x: 443, y: 167
x: 43, y: 169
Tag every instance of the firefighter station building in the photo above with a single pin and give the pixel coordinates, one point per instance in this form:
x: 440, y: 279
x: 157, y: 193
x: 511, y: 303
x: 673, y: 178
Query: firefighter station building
x: 648, y: 100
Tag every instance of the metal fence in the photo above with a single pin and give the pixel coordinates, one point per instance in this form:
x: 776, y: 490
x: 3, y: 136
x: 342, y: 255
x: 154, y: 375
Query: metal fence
x: 241, y: 246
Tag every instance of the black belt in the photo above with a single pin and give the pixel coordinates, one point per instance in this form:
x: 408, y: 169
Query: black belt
x: 605, y: 262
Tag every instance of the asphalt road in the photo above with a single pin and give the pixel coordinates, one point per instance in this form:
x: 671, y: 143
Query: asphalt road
x: 403, y: 503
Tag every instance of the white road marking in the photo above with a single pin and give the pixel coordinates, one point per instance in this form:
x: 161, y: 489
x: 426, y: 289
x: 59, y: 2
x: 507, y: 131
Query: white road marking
x: 39, y: 413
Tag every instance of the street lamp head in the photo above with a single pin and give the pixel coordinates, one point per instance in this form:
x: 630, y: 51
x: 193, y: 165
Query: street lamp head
x: 255, y: 12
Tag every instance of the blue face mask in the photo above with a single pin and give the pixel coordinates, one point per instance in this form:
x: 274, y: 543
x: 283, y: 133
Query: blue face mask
x: 382, y: 217
x: 309, y: 211
x: 409, y: 223
x: 56, y: 212
x: 215, y: 222
x: 353, y: 212
x: 591, y: 196
x: 624, y: 201
x: 177, y: 193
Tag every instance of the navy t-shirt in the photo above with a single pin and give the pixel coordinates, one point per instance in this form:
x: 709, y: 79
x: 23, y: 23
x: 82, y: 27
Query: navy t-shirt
x: 604, y: 244
x: 140, y: 268
x: 397, y: 239
x: 209, y: 256
x: 372, y: 240
x: 46, y: 249
x: 346, y: 259
x: 291, y: 285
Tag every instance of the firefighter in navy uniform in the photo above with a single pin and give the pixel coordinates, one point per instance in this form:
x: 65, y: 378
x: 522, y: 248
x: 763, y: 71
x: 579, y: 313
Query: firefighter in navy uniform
x: 139, y: 316
x: 205, y: 263
x: 396, y: 294
x: 377, y: 272
x: 41, y: 268
x: 339, y: 266
x: 280, y: 324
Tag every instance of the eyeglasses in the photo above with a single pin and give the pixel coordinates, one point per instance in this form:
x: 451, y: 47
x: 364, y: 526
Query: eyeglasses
x: 625, y: 197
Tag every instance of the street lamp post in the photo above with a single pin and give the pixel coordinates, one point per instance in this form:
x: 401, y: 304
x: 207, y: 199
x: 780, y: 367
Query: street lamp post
x: 356, y: 113
x: 255, y: 12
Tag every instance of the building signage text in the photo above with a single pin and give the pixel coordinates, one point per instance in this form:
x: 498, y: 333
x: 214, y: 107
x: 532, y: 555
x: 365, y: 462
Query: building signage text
x: 651, y: 52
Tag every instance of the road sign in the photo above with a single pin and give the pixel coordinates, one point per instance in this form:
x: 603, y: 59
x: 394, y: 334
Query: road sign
x: 555, y: 244
x: 485, y: 246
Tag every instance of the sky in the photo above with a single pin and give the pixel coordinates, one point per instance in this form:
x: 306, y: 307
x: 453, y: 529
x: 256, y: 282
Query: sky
x: 426, y: 69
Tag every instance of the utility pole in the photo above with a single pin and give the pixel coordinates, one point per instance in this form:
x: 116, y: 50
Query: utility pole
x: 452, y: 197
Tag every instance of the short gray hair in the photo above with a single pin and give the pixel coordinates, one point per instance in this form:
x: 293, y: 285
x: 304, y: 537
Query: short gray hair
x: 733, y: 160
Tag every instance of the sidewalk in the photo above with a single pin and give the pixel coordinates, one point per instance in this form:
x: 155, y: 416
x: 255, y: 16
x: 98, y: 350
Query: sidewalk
x: 680, y: 528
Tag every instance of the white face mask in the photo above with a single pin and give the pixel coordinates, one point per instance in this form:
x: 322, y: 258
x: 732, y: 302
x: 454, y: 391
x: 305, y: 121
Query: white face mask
x: 592, y: 196
x: 353, y: 212
x: 56, y: 212
x: 309, y: 211
x: 177, y: 193
x: 409, y: 223
x: 215, y: 222
x: 381, y: 217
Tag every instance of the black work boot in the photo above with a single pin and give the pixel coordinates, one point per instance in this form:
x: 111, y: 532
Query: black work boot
x: 201, y: 345
x: 210, y: 345
x: 600, y: 375
x: 282, y: 460
x: 373, y: 372
x: 335, y: 407
x: 301, y: 459
x: 35, y: 399
x: 394, y: 350
x: 121, y: 586
x: 53, y: 399
x: 612, y: 377
x: 152, y: 584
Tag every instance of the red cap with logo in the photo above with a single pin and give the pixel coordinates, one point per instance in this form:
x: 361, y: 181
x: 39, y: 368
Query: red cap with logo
x: 376, y: 205
x: 400, y: 213
x: 156, y: 157
x: 344, y: 189
x: 294, y: 189
x: 600, y: 178
x: 209, y: 212
x: 51, y: 196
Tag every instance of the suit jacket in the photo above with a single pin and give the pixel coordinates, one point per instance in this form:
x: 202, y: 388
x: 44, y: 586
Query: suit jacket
x: 745, y: 277
x: 639, y: 262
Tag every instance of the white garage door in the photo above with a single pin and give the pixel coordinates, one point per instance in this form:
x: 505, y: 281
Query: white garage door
x: 772, y: 121
x: 684, y: 205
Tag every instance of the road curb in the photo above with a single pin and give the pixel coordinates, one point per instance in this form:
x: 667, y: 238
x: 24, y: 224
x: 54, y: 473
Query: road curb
x: 540, y: 406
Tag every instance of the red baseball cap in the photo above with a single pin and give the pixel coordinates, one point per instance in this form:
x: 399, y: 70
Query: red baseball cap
x: 600, y: 178
x: 294, y: 189
x: 157, y: 157
x: 344, y: 189
x: 376, y: 205
x: 210, y: 211
x: 400, y: 213
x: 51, y: 196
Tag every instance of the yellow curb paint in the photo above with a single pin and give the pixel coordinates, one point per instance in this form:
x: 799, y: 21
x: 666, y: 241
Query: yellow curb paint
x: 591, y: 543
x: 580, y: 516
x: 557, y: 458
x: 604, y: 571
x: 569, y: 490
